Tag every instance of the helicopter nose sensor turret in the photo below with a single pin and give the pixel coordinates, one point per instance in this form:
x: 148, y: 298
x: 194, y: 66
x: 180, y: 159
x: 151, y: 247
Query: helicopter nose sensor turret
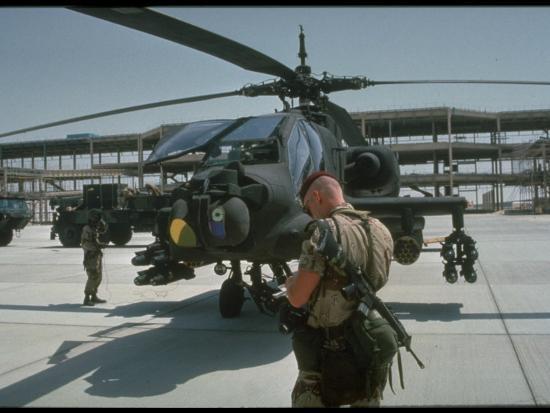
x: 210, y: 216
x: 220, y: 223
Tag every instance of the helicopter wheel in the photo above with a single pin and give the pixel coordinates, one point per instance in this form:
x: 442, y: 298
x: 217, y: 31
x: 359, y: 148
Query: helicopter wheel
x: 450, y: 274
x: 231, y: 299
x: 468, y: 272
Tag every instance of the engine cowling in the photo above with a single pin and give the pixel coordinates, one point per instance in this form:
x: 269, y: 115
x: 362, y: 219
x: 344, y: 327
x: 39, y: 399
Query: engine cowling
x: 371, y: 171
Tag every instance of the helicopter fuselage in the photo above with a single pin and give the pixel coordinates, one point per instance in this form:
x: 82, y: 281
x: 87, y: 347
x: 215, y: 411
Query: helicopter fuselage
x: 242, y: 202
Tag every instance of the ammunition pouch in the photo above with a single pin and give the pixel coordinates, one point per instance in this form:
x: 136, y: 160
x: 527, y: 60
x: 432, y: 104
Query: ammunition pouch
x: 375, y: 344
x: 372, y: 337
x: 359, y: 370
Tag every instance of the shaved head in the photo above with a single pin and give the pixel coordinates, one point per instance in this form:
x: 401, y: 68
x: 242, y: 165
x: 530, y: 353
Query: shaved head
x: 329, y: 187
x: 323, y: 195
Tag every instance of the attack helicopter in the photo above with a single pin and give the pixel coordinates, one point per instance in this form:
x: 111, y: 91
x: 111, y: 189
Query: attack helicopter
x: 241, y: 203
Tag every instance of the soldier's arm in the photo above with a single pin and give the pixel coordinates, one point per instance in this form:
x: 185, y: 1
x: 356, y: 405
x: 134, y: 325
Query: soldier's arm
x: 299, y: 287
x: 310, y: 269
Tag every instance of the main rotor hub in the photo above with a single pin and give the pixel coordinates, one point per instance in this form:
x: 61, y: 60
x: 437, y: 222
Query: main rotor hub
x: 303, y: 70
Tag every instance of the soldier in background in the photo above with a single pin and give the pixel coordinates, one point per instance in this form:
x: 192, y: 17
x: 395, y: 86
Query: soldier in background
x: 93, y: 256
x: 330, y: 373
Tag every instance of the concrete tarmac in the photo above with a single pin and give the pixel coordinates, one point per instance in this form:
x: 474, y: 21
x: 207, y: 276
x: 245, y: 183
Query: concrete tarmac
x: 484, y: 344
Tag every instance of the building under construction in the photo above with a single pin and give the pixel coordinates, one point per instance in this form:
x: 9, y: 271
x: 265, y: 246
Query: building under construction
x: 486, y: 151
x: 497, y: 160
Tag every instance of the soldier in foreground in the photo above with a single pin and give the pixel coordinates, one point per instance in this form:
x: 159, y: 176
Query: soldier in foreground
x: 333, y: 368
x: 93, y: 256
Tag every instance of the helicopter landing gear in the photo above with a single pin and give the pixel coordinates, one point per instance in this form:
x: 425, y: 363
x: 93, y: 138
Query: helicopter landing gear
x: 232, y: 293
x: 450, y: 273
x: 232, y: 290
x: 261, y: 292
x: 281, y: 271
x: 459, y: 249
x: 468, y: 272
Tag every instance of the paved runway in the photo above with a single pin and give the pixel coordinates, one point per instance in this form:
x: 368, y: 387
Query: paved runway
x: 485, y: 344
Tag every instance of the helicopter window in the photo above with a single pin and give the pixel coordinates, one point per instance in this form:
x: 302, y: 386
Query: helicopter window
x: 192, y: 136
x: 259, y: 128
x: 314, y: 144
x: 305, y: 153
x: 253, y: 142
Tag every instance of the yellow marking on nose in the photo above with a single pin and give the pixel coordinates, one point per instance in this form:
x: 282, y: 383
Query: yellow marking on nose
x: 182, y: 234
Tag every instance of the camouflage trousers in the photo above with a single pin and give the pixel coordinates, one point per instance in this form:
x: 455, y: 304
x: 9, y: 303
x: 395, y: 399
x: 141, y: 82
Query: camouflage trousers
x: 307, y: 392
x: 92, y: 265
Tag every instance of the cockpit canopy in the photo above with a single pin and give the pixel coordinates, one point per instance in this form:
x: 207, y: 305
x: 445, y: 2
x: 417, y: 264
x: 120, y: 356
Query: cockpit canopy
x: 273, y: 138
x: 252, y: 141
x: 223, y: 140
x: 191, y: 137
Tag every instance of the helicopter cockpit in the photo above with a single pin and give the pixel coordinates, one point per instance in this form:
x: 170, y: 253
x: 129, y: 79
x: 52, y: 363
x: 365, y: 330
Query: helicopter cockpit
x: 248, y: 140
x: 252, y: 142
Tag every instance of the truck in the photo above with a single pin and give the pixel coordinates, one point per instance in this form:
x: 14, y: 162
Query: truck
x: 14, y: 215
x: 123, y: 209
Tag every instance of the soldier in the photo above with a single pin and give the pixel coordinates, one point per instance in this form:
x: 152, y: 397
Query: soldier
x: 93, y: 255
x: 330, y: 373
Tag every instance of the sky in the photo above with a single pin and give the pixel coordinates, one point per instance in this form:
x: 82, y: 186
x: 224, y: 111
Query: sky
x: 57, y: 63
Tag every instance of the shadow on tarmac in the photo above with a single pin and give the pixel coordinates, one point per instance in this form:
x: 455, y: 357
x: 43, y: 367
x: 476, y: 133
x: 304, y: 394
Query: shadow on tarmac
x: 138, y: 309
x: 121, y: 362
x: 145, y: 359
x: 405, y: 311
x: 116, y: 247
x: 451, y: 312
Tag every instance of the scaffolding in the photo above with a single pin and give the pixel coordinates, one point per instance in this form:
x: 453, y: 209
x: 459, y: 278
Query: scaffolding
x: 451, y: 141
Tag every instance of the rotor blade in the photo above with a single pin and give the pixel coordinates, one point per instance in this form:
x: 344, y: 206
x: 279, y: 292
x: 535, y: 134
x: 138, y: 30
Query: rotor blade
x: 123, y: 110
x: 161, y: 25
x: 502, y: 82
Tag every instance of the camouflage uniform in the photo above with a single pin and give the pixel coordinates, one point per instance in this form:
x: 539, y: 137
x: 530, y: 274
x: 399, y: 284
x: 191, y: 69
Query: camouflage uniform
x: 92, y: 259
x: 327, y: 307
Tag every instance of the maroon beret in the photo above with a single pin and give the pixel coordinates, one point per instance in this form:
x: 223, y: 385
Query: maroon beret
x: 309, y: 180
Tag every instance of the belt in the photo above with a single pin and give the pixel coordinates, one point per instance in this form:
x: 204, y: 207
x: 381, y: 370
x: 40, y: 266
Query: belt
x: 335, y: 332
x: 328, y: 333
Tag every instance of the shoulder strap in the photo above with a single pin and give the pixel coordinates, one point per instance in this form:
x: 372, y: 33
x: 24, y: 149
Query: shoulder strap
x: 366, y: 226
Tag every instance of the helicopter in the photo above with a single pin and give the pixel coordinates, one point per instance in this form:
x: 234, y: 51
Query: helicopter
x: 241, y: 203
